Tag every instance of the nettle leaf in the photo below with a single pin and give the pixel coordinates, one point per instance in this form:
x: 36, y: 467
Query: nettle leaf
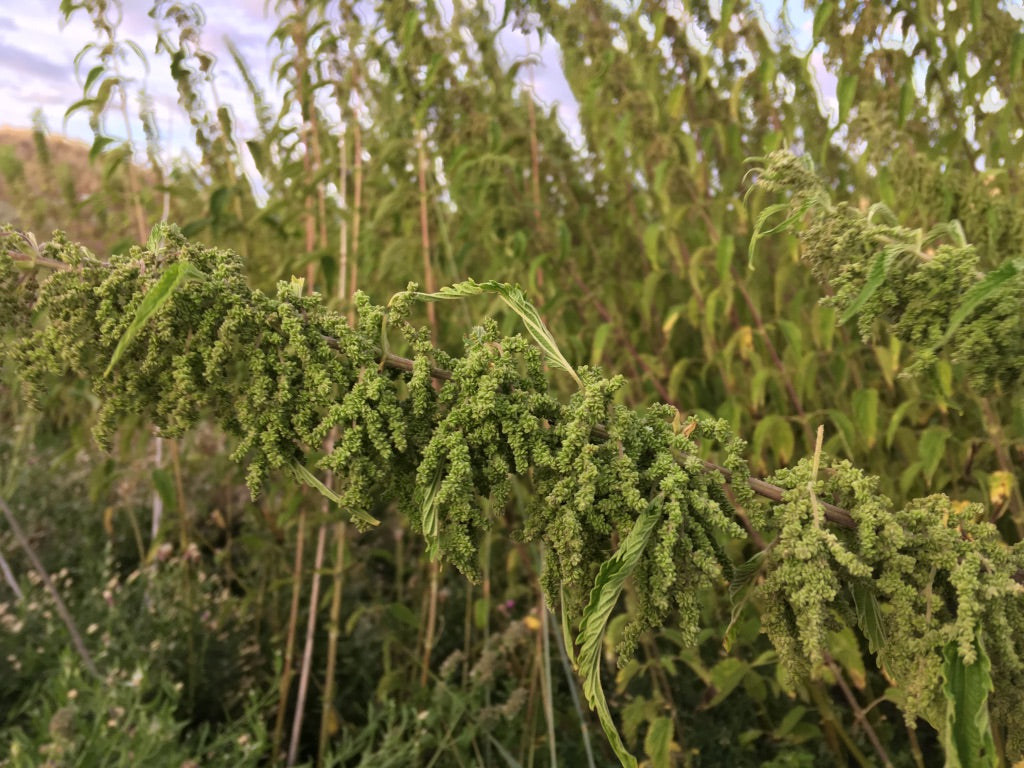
x: 865, y: 414
x: 931, y: 449
x: 157, y: 296
x: 744, y: 574
x: 658, y: 742
x: 762, y: 228
x: 821, y: 17
x: 608, y: 585
x: 725, y: 676
x: 304, y: 476
x: 876, y: 276
x: 869, y: 616
x: 516, y: 300
x: 845, y: 92
x: 966, y: 736
x: 979, y: 293
x: 429, y: 513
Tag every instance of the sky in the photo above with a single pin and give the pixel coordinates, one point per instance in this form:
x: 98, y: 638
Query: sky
x: 38, y: 50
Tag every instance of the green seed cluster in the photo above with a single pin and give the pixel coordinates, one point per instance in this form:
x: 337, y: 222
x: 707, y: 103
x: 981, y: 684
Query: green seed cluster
x: 290, y: 379
x: 915, y: 580
x: 926, y: 277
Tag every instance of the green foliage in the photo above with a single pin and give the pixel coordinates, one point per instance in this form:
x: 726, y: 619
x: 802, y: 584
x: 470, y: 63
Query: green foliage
x: 916, y: 582
x: 142, y: 707
x: 967, y: 737
x: 926, y: 286
x: 281, y: 373
x: 405, y: 145
x: 913, y: 581
x: 607, y: 589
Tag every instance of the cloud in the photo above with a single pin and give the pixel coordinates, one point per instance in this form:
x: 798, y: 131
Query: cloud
x: 28, y: 64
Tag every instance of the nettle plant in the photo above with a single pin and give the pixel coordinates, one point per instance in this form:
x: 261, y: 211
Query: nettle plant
x: 173, y: 332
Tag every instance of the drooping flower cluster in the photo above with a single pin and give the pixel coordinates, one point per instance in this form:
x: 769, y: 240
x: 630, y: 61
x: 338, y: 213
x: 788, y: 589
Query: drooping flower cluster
x: 282, y: 373
x: 290, y: 379
x: 917, y: 581
x: 927, y: 286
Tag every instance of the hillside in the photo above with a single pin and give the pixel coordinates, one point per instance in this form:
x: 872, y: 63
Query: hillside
x: 48, y: 182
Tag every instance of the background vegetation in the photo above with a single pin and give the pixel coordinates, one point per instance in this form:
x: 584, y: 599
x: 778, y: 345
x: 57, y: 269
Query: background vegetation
x: 234, y: 632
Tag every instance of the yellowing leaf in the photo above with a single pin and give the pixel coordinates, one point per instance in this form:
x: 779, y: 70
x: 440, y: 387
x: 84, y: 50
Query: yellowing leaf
x: 1000, y: 486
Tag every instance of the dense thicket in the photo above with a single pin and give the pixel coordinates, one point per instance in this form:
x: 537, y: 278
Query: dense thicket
x: 406, y: 149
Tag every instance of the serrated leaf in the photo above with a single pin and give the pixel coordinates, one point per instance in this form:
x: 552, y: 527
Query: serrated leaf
x: 790, y: 721
x: 761, y: 228
x: 869, y: 616
x: 658, y: 742
x: 161, y: 292
x: 865, y: 414
x: 98, y: 145
x: 978, y: 293
x: 895, y: 420
x: 80, y: 104
x: 608, y: 585
x: 428, y: 511
x: 876, y: 276
x: 743, y: 575
x: 91, y: 77
x: 304, y: 476
x: 600, y: 339
x: 966, y: 735
x: 931, y: 448
x: 725, y: 676
x: 514, y: 297
x: 773, y: 430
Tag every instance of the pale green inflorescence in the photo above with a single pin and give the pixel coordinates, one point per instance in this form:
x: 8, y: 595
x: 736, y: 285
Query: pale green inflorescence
x: 283, y: 373
x: 915, y: 580
x: 920, y: 278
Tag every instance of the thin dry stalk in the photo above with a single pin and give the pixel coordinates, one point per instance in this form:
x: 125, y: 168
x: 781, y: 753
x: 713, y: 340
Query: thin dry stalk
x: 333, y: 634
x: 572, y: 682
x: 546, y: 693
x: 343, y: 294
x: 307, y: 651
x: 858, y: 712
x: 430, y: 285
x: 284, y: 686
x: 357, y: 206
x: 62, y: 609
x: 12, y: 582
